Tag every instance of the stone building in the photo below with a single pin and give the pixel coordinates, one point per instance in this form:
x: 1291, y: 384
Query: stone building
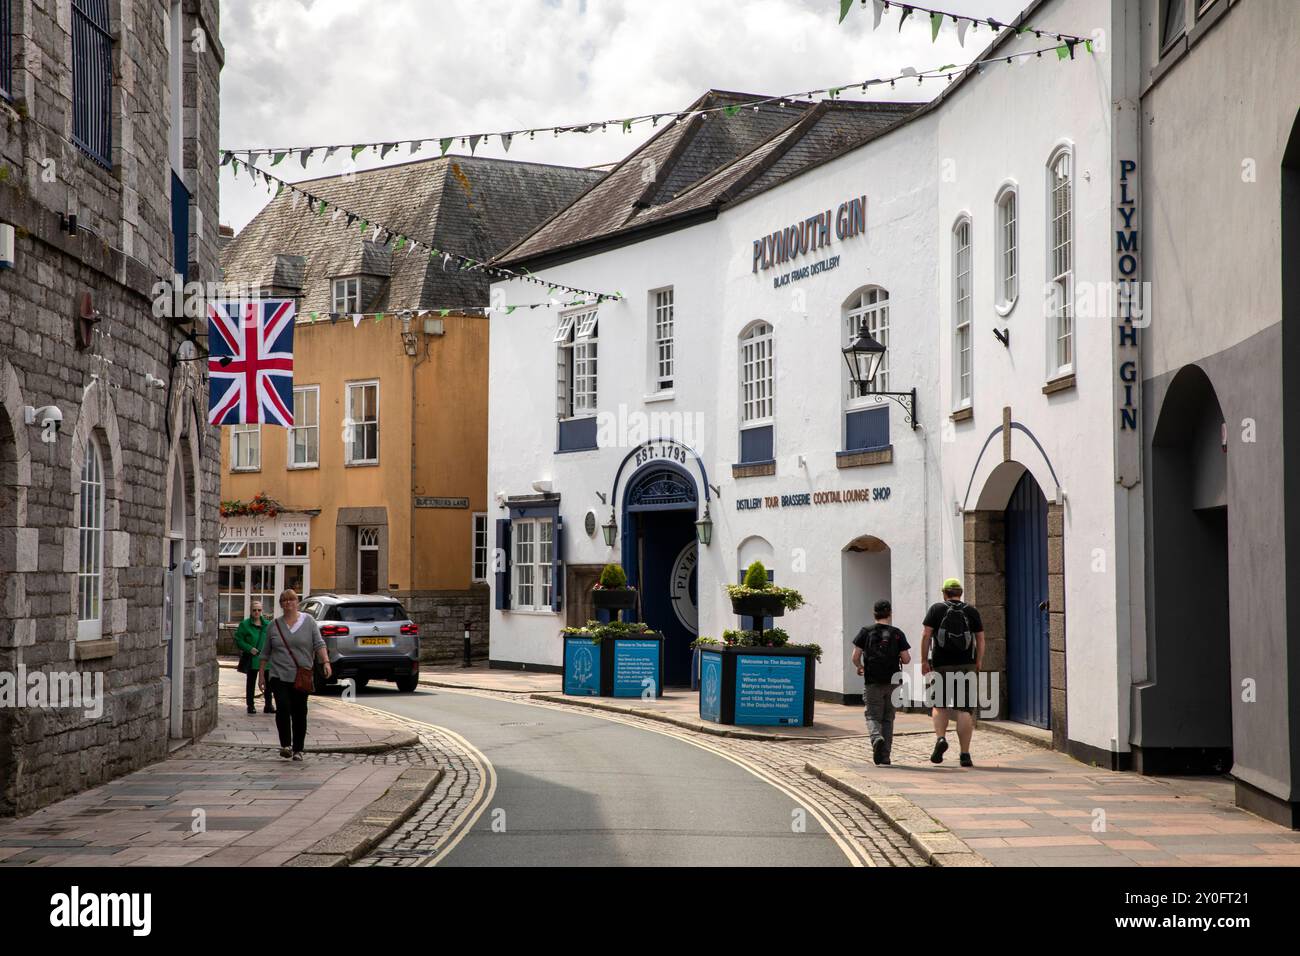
x: 108, y: 186
x: 381, y: 485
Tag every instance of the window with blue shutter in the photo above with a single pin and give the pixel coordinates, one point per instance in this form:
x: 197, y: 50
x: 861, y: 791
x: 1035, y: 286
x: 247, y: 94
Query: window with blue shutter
x: 502, y: 560
x: 92, y: 80
x: 557, y: 566
x: 6, y: 49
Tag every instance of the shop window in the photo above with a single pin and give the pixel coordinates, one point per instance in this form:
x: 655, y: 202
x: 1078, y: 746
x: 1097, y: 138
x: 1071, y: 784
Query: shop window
x: 347, y: 295
x: 1060, y: 206
x: 245, y: 447
x: 92, y: 80
x: 361, y: 431
x: 662, y: 340
x: 963, y: 353
x: 1007, y: 272
x: 90, y: 552
x: 293, y: 549
x: 261, y: 586
x: 232, y: 594
x: 304, y: 436
x: 757, y: 394
x: 479, y: 559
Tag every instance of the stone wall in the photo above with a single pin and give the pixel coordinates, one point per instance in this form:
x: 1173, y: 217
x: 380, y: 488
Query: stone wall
x: 146, y: 434
x: 442, y: 616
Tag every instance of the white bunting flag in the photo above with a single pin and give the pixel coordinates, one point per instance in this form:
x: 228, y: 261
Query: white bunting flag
x: 878, y: 7
x: 961, y: 31
x: 356, y: 319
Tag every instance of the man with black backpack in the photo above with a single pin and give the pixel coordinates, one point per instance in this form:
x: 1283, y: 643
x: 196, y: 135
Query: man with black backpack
x: 877, y: 653
x: 952, y: 648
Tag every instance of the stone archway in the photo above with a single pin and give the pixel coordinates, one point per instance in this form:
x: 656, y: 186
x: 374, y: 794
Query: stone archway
x: 18, y: 557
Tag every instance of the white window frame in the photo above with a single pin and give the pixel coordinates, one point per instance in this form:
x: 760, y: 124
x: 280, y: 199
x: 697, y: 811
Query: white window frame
x: 242, y: 593
x: 757, y: 378
x: 479, y: 530
x: 352, y: 423
x: 963, y: 345
x: 531, y: 569
x: 1060, y: 266
x: 292, y: 433
x: 345, y: 295
x: 238, y: 435
x: 577, y: 366
x: 90, y: 548
x: 231, y: 549
x: 662, y: 321
x: 1006, y: 271
x: 870, y: 304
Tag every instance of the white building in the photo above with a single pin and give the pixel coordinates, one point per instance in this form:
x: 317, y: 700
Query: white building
x: 999, y: 229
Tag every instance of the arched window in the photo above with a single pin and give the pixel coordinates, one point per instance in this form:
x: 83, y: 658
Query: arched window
x: 869, y: 308
x: 1060, y: 269
x: 1007, y: 267
x: 757, y: 395
x: 963, y: 354
x: 90, y: 529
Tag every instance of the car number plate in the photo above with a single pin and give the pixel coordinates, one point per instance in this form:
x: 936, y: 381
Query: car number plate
x: 377, y: 641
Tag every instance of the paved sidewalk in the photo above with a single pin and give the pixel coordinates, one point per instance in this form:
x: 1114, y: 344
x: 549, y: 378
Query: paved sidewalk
x: 236, y: 803
x: 482, y: 677
x: 1023, y: 805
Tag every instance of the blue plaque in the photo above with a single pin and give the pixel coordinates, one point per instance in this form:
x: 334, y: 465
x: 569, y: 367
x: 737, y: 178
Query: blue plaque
x: 711, y: 686
x: 581, y: 667
x: 769, y: 690
x: 636, y: 668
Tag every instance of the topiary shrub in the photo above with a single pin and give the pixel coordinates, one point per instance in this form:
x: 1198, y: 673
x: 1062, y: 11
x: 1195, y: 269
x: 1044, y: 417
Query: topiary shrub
x: 613, y: 577
x: 756, y: 577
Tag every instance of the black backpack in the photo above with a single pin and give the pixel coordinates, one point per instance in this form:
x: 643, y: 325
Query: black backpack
x: 954, y: 642
x: 880, y: 656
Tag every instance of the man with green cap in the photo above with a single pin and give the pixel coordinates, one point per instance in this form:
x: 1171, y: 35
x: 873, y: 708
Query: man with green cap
x: 952, y: 648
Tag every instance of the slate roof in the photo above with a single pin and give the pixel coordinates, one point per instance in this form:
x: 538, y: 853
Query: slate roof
x: 473, y: 206
x: 703, y: 162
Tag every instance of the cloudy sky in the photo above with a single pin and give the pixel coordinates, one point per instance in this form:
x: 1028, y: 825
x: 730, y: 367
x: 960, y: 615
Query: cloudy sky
x: 307, y: 72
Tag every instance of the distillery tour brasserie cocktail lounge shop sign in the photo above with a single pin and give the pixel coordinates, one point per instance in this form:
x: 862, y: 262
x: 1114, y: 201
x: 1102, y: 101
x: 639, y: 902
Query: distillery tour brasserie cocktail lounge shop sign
x: 790, y: 242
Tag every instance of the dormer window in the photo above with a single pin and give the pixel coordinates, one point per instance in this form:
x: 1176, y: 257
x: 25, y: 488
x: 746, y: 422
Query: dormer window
x: 347, y: 295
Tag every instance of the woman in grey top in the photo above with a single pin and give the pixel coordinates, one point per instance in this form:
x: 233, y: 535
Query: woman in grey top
x: 293, y: 641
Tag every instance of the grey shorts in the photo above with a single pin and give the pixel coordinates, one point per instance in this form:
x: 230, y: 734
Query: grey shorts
x: 953, y: 687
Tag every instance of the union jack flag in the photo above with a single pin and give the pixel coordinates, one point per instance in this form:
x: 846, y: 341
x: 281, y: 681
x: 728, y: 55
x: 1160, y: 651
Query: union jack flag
x: 250, y: 362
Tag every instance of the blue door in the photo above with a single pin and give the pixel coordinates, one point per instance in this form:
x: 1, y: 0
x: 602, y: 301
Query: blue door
x: 1028, y: 671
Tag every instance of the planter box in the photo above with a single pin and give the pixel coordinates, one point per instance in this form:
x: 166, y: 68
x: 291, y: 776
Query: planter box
x: 620, y: 599
x: 616, y: 667
x: 758, y: 605
x: 758, y: 686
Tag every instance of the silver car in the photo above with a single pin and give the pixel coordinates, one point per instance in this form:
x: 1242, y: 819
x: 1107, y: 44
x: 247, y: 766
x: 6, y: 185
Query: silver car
x: 369, y: 637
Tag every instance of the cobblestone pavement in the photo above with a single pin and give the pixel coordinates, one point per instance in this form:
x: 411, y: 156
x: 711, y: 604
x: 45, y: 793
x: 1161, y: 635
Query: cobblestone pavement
x: 421, y: 839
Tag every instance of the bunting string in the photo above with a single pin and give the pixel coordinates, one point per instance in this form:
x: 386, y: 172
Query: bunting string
x: 959, y: 20
x: 356, y: 318
x: 1064, y: 49
x: 395, y: 240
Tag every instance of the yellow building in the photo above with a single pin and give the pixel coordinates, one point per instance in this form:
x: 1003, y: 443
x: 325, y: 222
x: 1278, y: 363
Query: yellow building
x: 381, y: 485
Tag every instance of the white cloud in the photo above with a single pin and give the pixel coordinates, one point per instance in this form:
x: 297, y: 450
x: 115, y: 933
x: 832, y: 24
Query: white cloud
x: 306, y: 72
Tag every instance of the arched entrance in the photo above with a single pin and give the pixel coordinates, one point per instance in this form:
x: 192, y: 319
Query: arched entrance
x: 660, y: 556
x: 864, y: 580
x: 1186, y: 718
x: 1028, y: 642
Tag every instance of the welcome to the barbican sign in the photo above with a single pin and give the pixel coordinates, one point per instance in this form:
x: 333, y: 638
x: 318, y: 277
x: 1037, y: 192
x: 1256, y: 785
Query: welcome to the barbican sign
x: 810, y: 235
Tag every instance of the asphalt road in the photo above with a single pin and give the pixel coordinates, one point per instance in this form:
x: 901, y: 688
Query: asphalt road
x: 579, y: 790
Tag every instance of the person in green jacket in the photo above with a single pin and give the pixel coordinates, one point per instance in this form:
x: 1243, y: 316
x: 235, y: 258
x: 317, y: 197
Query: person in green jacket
x: 251, y: 636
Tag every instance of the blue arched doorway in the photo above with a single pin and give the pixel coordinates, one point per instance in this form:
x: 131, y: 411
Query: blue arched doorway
x: 660, y: 556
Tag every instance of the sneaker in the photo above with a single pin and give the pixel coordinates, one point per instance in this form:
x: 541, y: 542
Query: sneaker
x: 252, y: 709
x: 940, y: 746
x: 966, y: 761
x: 878, y: 752
x: 286, y: 753
x: 885, y: 762
x: 297, y: 756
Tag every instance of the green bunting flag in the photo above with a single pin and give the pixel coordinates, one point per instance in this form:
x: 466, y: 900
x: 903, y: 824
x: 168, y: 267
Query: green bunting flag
x: 627, y: 126
x: 731, y: 110
x: 379, y: 316
x: 357, y: 151
x: 444, y: 312
x: 401, y: 241
x: 936, y: 21
x: 510, y: 308
x: 279, y: 158
x: 1062, y: 53
x: 845, y: 7
x: 1088, y: 44
x: 444, y: 144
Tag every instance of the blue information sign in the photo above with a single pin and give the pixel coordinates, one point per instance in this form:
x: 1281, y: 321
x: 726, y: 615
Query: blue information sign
x: 710, y: 686
x: 769, y: 690
x: 636, y: 668
x: 581, y: 667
